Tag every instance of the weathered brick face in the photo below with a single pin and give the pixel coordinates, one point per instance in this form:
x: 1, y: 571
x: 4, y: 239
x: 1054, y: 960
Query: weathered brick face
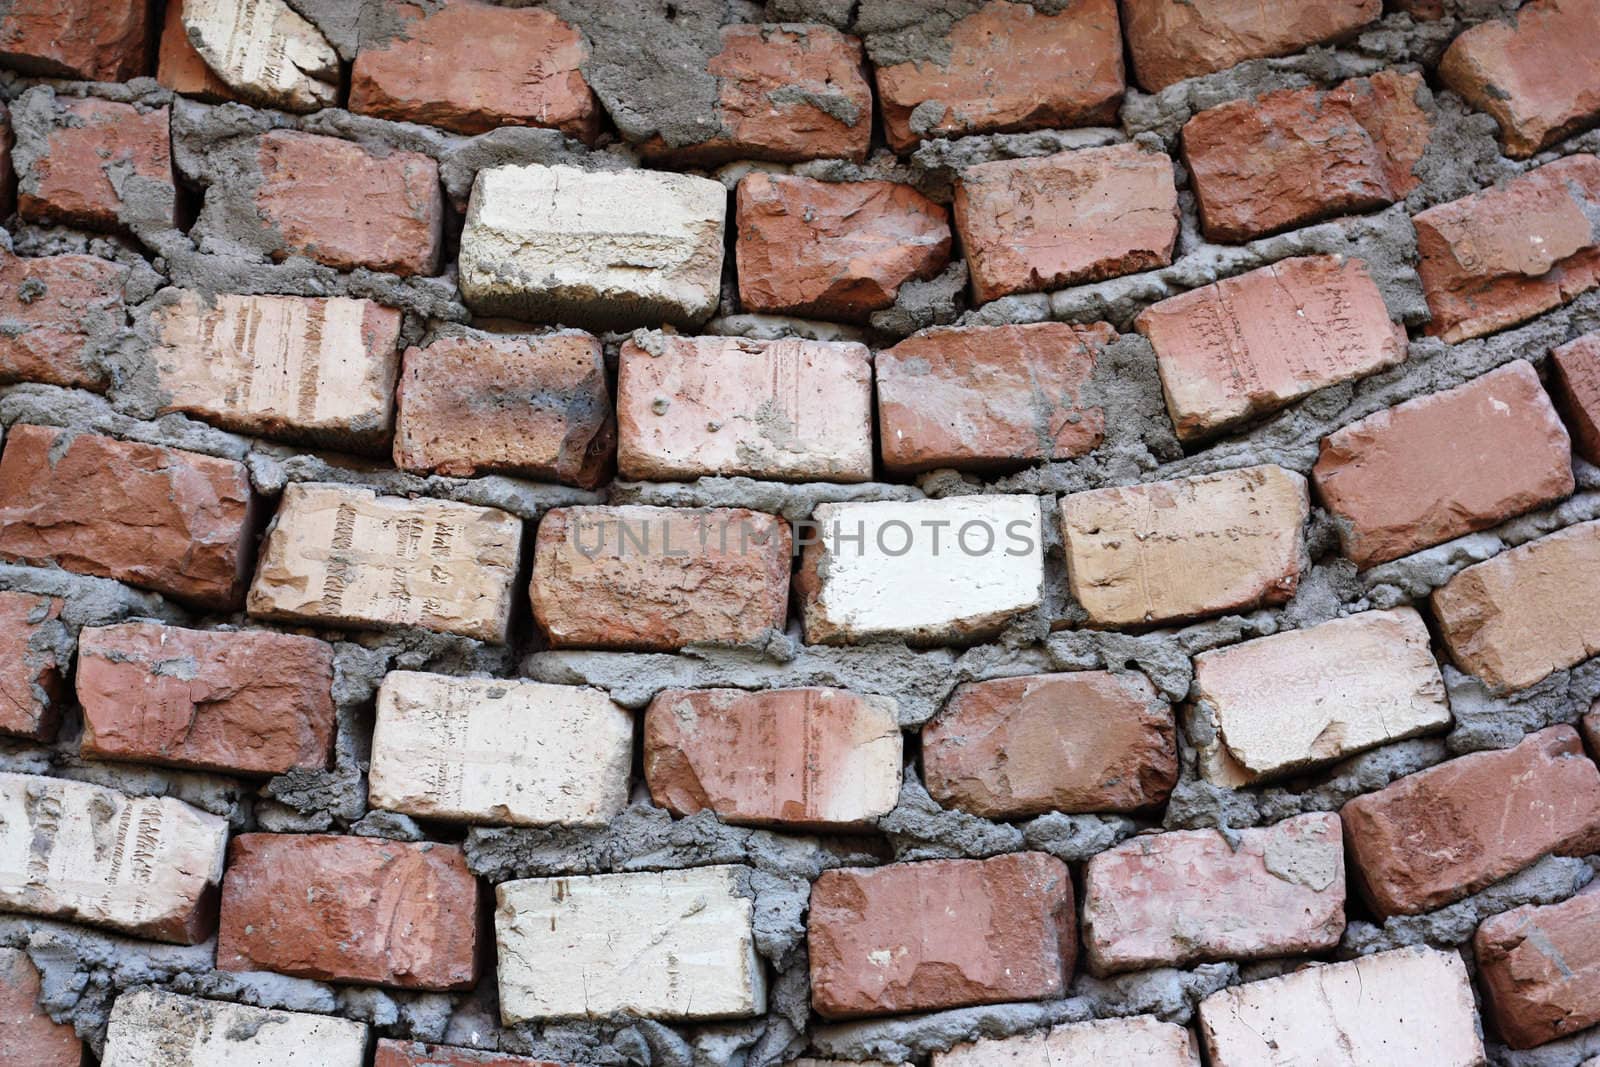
x: 104, y: 166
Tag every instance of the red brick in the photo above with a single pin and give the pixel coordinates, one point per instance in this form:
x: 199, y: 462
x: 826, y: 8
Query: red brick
x: 1171, y: 899
x: 473, y: 67
x: 1009, y: 68
x: 60, y: 318
x: 945, y: 934
x: 180, y: 68
x: 93, y: 147
x: 1575, y: 374
x: 393, y: 1053
x: 1255, y: 343
x: 819, y: 758
x: 656, y: 579
x: 1538, y: 74
x: 337, y: 203
x: 791, y: 410
x: 32, y: 674
x: 1436, y: 836
x: 32, y: 1038
x: 248, y: 702
x: 1287, y: 158
x: 1506, y: 254
x: 1444, y: 465
x: 97, y: 40
x: 1081, y: 742
x: 159, y: 518
x: 535, y: 406
x: 786, y: 94
x: 835, y: 250
x: 1171, y: 40
x: 1030, y: 225
x: 990, y: 397
x: 8, y: 177
x: 350, y: 909
x: 1539, y: 968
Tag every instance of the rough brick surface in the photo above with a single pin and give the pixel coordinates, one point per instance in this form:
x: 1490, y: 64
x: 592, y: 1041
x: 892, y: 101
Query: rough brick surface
x: 990, y: 397
x: 1175, y: 39
x: 32, y: 1037
x: 1143, y: 1040
x: 247, y: 702
x: 1410, y: 1005
x: 264, y: 51
x: 472, y: 67
x: 338, y: 203
x: 784, y: 93
x: 1169, y: 551
x: 834, y: 250
x: 58, y: 318
x: 499, y: 751
x: 537, y: 406
x: 1575, y: 376
x: 161, y: 518
x: 1171, y: 899
x: 1504, y: 255
x: 182, y: 69
x: 146, y: 866
x: 1306, y: 698
x: 98, y: 156
x: 88, y: 39
x: 944, y: 934
x: 929, y: 572
x: 1514, y: 619
x: 1539, y: 968
x: 1081, y: 742
x: 650, y: 578
x: 314, y: 370
x: 416, y: 1054
x: 34, y: 657
x: 664, y: 945
x: 350, y: 909
x: 796, y: 758
x: 153, y: 1026
x: 1009, y: 67
x: 1444, y: 465
x: 1538, y: 74
x: 1433, y: 837
x: 1029, y: 225
x: 597, y: 250
x: 1294, y: 156
x: 1253, y: 343
x: 791, y: 410
x: 346, y: 557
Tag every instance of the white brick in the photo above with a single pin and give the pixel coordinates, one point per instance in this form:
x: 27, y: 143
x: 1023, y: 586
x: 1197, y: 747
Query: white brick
x: 154, y: 1028
x: 1409, y: 1006
x: 1142, y: 1041
x: 501, y: 751
x: 1306, y: 698
x: 148, y: 866
x: 265, y: 51
x: 599, y: 250
x: 666, y: 945
x: 936, y: 590
x: 342, y: 556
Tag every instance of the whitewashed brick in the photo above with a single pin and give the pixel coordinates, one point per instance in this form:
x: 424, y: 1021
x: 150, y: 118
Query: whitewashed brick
x: 1408, y: 1006
x: 342, y: 556
x: 662, y: 945
x: 147, y: 866
x: 154, y: 1028
x: 598, y: 250
x: 929, y: 571
x: 265, y: 51
x: 1142, y: 1041
x: 499, y: 751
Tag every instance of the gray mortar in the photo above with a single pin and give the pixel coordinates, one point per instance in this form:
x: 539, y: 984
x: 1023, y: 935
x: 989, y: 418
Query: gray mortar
x: 1568, y: 1052
x: 776, y: 327
x: 794, y: 501
x: 918, y: 31
x: 919, y: 304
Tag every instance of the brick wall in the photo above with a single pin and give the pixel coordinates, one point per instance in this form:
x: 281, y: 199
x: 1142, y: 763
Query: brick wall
x: 729, y: 533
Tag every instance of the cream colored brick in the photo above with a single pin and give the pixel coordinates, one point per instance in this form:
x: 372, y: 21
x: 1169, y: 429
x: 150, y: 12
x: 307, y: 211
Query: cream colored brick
x: 265, y: 51
x: 664, y: 945
x: 346, y: 557
x: 148, y: 866
x: 499, y: 751
x: 1141, y: 1041
x: 154, y: 1028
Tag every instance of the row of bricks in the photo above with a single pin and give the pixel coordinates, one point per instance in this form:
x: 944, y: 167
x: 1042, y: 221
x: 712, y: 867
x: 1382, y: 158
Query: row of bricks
x: 791, y: 93
x: 547, y: 243
x: 931, y: 935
